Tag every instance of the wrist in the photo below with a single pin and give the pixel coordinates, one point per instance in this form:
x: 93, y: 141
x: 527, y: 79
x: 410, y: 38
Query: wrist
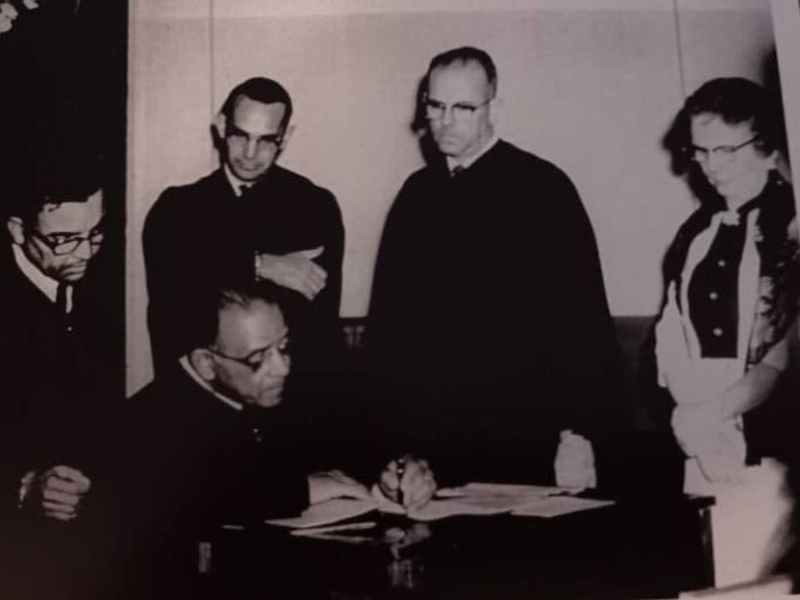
x: 25, y: 486
x: 262, y: 264
x: 257, y: 266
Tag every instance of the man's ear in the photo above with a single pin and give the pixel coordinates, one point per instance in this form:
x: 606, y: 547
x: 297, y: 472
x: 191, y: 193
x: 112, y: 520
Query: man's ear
x: 16, y: 229
x: 496, y: 110
x: 218, y: 124
x: 287, y: 134
x: 773, y: 159
x: 203, y: 362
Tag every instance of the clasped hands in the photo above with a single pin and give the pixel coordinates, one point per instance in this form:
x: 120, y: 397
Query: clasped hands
x: 295, y: 270
x: 703, y: 432
x: 59, y: 490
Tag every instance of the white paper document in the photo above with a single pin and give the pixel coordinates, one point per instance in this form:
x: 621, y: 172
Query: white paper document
x: 325, y: 513
x: 558, y: 505
x: 471, y: 499
x: 439, y: 508
x: 478, y: 488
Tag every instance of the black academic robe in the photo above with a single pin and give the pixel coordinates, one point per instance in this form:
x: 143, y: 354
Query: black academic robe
x: 62, y: 381
x: 489, y: 329
x: 201, y: 236
x: 193, y: 463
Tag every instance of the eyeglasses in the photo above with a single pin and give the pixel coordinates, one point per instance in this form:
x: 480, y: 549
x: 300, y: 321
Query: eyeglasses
x: 461, y: 111
x: 724, y: 153
x: 258, y: 358
x: 238, y: 137
x: 60, y: 244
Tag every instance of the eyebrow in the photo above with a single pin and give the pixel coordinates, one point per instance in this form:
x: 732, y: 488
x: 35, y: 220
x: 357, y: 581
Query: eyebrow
x: 466, y: 104
x: 266, y: 136
x: 97, y: 226
x: 284, y: 336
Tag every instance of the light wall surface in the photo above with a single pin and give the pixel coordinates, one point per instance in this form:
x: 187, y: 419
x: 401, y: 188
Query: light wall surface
x: 591, y: 86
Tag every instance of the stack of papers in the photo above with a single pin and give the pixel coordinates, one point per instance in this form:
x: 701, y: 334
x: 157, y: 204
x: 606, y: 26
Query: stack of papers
x: 471, y: 499
x: 503, y: 489
x: 325, y: 513
x: 558, y: 505
x: 495, y: 498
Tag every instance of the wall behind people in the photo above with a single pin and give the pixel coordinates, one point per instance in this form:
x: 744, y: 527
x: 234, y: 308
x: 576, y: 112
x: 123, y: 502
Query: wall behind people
x: 590, y: 85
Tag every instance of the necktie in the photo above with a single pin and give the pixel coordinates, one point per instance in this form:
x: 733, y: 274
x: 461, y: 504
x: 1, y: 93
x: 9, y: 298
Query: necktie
x: 243, y: 188
x: 61, y: 298
x: 456, y: 171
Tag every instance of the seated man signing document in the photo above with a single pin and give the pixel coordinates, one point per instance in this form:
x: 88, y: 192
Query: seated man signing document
x: 207, y: 438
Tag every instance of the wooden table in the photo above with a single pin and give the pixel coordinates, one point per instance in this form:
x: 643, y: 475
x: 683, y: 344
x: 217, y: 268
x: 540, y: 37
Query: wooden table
x: 630, y: 550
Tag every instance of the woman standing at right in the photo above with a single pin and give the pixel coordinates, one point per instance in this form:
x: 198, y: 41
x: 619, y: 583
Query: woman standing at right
x: 732, y: 276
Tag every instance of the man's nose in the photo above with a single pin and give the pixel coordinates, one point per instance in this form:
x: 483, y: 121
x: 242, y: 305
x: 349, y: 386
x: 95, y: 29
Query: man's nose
x: 84, y: 250
x: 278, y: 364
x: 251, y: 148
x: 447, y: 115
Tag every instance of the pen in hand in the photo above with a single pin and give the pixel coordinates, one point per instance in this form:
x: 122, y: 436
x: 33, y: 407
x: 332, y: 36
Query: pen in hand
x: 401, y: 469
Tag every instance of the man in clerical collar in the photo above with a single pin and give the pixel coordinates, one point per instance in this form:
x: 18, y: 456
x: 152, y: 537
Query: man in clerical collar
x: 53, y: 240
x: 209, y: 443
x: 61, y: 373
x: 492, y: 345
x: 54, y: 243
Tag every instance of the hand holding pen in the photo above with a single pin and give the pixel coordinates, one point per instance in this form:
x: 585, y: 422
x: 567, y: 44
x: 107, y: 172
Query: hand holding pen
x: 408, y: 481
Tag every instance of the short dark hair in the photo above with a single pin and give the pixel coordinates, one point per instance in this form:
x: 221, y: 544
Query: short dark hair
x: 464, y: 55
x: 75, y: 177
x: 734, y: 100
x: 208, y: 308
x: 259, y: 89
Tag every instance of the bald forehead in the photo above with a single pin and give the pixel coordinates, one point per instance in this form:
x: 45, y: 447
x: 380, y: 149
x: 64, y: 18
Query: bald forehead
x: 465, y: 65
x: 464, y: 78
x: 252, y: 325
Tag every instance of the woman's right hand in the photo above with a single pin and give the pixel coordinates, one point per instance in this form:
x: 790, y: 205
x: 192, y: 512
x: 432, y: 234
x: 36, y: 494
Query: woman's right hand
x: 696, y: 424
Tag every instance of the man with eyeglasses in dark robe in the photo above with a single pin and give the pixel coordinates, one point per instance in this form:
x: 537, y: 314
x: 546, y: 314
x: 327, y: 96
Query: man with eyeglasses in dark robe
x: 207, y: 444
x: 62, y: 378
x: 492, y: 348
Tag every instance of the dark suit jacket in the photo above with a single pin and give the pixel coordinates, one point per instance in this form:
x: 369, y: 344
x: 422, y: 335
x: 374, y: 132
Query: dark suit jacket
x: 200, y: 236
x: 61, y: 386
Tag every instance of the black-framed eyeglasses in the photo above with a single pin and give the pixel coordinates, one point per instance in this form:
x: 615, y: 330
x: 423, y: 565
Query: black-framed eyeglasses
x: 435, y: 110
x: 60, y: 244
x: 236, y: 136
x: 724, y: 153
x: 257, y: 358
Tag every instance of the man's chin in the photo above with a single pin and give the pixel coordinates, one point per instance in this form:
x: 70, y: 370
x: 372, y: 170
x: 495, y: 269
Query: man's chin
x: 72, y: 275
x: 269, y: 400
x: 249, y: 174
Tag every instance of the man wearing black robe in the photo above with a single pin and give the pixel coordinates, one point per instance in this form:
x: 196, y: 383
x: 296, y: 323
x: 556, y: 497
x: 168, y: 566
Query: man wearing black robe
x: 489, y: 331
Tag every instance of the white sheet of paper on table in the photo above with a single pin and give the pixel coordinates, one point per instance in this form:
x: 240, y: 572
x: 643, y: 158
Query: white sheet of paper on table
x: 471, y: 499
x: 440, y: 508
x: 478, y: 488
x: 558, y: 505
x: 325, y: 513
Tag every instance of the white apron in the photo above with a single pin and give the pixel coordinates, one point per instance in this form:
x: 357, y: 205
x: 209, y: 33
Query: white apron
x: 752, y: 509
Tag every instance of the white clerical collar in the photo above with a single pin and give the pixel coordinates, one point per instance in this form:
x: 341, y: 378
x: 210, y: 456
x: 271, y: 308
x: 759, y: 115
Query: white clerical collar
x: 47, y: 285
x: 187, y: 365
x: 236, y: 183
x: 466, y: 164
